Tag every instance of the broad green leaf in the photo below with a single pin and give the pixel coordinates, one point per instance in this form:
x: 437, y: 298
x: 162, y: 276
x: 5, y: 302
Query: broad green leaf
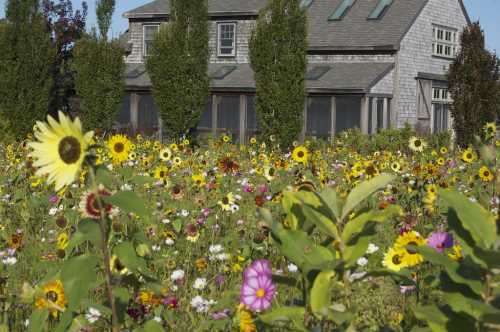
x: 431, y: 314
x: 122, y: 298
x: 64, y: 321
x: 88, y: 230
x: 294, y: 315
x: 325, y: 224
x: 458, y: 273
x: 364, y: 190
x: 331, y: 199
x: 357, y: 224
x: 321, y: 294
x: 479, y: 222
x: 128, y: 257
x: 357, y: 246
x: 37, y: 320
x: 78, y: 275
x: 142, y: 180
x: 104, y: 177
x: 152, y: 326
x: 474, y: 308
x: 129, y: 202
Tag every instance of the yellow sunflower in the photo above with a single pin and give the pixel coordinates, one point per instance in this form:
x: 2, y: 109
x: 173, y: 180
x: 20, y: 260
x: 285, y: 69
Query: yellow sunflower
x: 161, y: 173
x: 198, y: 179
x: 300, y: 154
x: 253, y: 140
x: 60, y: 149
x: 396, y: 167
x: 166, y: 154
x: 177, y: 161
x: 490, y: 130
x: 269, y: 173
x: 468, y: 156
x: 394, y: 259
x: 485, y: 174
x: 411, y: 258
x: 62, y: 241
x: 226, y: 202
x: 53, y: 299
x: 117, y: 267
x: 417, y: 144
x: 119, y: 148
x: 244, y: 317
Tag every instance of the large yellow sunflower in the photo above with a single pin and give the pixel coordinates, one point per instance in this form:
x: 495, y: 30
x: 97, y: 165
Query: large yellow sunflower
x: 417, y: 144
x: 119, y: 148
x: 485, y: 174
x: 161, y: 173
x: 411, y: 258
x: 468, y: 156
x: 53, y: 298
x: 394, y: 259
x: 60, y: 149
x: 300, y: 154
x: 165, y: 154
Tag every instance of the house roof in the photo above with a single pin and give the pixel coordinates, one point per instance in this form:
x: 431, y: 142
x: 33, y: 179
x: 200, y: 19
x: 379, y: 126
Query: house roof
x: 338, y: 78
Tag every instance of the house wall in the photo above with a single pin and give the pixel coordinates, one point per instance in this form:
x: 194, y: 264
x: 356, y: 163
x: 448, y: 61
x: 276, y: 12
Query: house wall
x: 416, y: 56
x: 243, y: 34
x: 385, y: 85
x: 349, y: 58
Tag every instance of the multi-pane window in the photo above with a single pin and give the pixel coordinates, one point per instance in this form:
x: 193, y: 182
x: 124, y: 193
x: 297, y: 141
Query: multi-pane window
x: 441, y: 102
x: 150, y: 32
x: 226, y: 39
x: 445, y: 42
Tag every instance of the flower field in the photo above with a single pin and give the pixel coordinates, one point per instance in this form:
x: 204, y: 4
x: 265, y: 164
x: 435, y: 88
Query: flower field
x: 129, y: 234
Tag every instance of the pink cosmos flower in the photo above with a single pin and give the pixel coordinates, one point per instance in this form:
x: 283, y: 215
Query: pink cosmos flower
x: 257, y: 293
x: 440, y: 241
x: 260, y: 267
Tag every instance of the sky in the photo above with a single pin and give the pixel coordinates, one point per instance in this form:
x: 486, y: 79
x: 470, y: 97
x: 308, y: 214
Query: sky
x: 486, y: 11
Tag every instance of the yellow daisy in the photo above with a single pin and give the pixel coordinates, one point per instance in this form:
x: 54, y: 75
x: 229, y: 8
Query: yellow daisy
x: 119, y: 148
x: 60, y: 149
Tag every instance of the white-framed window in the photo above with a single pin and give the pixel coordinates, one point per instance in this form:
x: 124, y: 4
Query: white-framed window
x: 226, y: 40
x: 149, y: 33
x: 445, y: 42
x: 441, y: 103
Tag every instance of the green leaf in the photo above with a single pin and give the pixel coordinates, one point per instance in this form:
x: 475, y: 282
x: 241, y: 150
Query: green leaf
x: 364, y: 190
x: 325, y: 224
x: 152, y: 326
x: 104, y: 177
x: 64, y: 321
x: 330, y: 197
x: 357, y: 224
x: 127, y: 255
x: 478, y: 221
x: 457, y: 272
x: 293, y: 315
x: 88, y: 230
x: 474, y: 308
x: 37, y: 320
x: 321, y: 294
x: 78, y: 275
x: 141, y: 180
x: 122, y: 298
x: 431, y: 314
x: 129, y: 202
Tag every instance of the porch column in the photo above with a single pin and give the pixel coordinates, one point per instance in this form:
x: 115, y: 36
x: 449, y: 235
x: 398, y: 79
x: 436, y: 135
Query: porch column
x: 365, y: 106
x: 134, y: 111
x: 386, y: 121
x: 215, y: 105
x: 243, y: 118
x: 374, y: 115
x: 333, y: 116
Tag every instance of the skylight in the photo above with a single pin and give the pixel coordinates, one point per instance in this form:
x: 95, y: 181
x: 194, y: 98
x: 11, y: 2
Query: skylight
x: 317, y: 72
x: 222, y: 72
x: 341, y: 10
x: 381, y: 8
x: 305, y: 3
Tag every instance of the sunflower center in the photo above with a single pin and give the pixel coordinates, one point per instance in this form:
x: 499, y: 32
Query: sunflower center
x: 119, y: 147
x: 52, y: 296
x: 486, y: 174
x: 260, y: 293
x: 225, y: 201
x: 300, y: 154
x: 469, y: 156
x: 418, y: 143
x: 70, y: 150
x: 396, y: 259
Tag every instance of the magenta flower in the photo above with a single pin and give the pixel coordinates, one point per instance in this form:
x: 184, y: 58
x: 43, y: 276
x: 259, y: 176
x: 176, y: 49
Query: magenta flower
x: 257, y: 292
x: 440, y: 241
x: 258, y: 268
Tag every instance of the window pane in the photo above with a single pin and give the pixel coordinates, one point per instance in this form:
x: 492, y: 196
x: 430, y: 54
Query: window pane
x: 124, y: 116
x: 226, y: 51
x: 228, y: 114
x: 147, y: 119
x: 319, y: 117
x: 226, y: 42
x: 348, y: 111
x: 150, y: 32
x: 252, y: 123
x: 206, y: 117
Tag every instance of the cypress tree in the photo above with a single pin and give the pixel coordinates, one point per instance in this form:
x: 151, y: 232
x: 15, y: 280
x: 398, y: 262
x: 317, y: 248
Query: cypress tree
x: 278, y: 56
x: 178, y: 66
x: 26, y: 55
x: 473, y: 79
x: 99, y: 68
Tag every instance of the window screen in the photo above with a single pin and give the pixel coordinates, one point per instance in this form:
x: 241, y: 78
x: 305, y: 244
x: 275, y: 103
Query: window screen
x: 348, y: 113
x: 380, y: 113
x: 252, y: 122
x: 441, y: 114
x: 319, y: 116
x: 124, y: 116
x: 227, y: 39
x: 228, y: 114
x: 341, y: 10
x: 206, y: 117
x: 150, y: 32
x: 147, y: 119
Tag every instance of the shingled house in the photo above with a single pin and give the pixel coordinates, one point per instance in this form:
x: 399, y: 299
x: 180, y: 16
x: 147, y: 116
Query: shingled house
x: 372, y: 64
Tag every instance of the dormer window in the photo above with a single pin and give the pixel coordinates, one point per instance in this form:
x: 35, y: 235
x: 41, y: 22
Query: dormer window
x: 445, y: 42
x: 226, y: 40
x: 149, y: 32
x: 380, y: 10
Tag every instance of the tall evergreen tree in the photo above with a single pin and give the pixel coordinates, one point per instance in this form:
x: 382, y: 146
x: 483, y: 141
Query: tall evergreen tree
x: 473, y: 79
x: 278, y: 56
x: 99, y: 68
x: 178, y: 66
x: 26, y: 54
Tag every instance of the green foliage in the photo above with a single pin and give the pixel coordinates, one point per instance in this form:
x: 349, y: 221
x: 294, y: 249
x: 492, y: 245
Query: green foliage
x: 178, y: 67
x: 467, y: 287
x: 325, y: 252
x: 473, y: 79
x: 104, y: 13
x: 99, y: 68
x: 25, y: 65
x: 278, y: 49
